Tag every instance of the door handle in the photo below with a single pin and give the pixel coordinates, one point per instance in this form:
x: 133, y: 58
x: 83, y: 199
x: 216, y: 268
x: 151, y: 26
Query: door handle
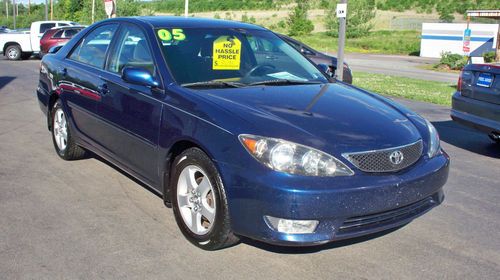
x: 103, y: 89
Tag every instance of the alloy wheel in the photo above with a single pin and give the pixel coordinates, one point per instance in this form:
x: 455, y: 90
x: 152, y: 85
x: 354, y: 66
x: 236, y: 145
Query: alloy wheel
x: 195, y: 197
x: 60, y: 128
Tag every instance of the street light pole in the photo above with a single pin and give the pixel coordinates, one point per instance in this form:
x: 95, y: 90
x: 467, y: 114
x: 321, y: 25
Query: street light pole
x: 340, y: 54
x: 7, y: 8
x: 186, y: 8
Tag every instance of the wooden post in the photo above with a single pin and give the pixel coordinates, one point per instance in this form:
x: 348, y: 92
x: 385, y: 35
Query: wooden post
x: 93, y: 11
x: 497, y: 56
x: 51, y: 9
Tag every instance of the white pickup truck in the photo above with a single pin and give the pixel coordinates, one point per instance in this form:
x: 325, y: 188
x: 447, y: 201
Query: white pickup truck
x: 21, y: 45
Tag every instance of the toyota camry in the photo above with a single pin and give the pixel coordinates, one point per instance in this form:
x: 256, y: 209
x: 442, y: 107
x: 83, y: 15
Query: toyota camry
x: 239, y: 132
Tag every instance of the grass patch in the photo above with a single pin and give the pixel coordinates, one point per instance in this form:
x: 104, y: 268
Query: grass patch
x: 405, y: 42
x: 421, y: 90
x: 438, y: 69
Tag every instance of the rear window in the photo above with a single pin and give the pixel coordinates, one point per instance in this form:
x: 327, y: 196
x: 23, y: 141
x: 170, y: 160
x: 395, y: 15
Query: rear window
x: 46, y: 26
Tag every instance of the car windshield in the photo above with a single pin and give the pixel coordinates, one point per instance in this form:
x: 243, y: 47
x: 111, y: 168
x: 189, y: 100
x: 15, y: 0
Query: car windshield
x: 208, y: 57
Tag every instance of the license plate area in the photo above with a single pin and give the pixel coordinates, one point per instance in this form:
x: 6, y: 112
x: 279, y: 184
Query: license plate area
x: 484, y: 80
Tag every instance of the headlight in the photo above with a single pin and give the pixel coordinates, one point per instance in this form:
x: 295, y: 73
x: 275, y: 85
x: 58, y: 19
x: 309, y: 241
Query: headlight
x: 292, y: 158
x: 433, y: 140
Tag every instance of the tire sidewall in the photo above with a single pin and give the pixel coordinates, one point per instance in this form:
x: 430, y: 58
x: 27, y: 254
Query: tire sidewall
x: 198, y: 158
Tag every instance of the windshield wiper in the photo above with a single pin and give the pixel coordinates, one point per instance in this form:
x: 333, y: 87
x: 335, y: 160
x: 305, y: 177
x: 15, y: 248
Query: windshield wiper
x: 213, y: 83
x: 279, y: 82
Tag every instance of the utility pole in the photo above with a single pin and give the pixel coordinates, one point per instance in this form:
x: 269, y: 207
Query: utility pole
x: 186, y: 8
x: 29, y: 7
x: 342, y: 16
x: 93, y: 10
x: 7, y: 8
x: 51, y: 9
x: 46, y: 11
x: 14, y: 12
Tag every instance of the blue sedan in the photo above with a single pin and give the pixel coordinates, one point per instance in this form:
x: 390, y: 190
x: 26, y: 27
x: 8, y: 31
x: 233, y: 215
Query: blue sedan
x: 239, y: 132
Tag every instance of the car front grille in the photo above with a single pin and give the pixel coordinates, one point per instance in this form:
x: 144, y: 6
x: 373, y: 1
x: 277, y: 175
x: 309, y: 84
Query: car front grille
x: 368, y: 222
x: 380, y: 160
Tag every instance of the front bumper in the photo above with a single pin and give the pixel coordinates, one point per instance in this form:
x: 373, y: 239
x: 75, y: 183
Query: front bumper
x: 345, y: 207
x: 481, y: 115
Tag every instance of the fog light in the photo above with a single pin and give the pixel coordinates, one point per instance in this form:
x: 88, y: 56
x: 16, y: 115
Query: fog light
x: 291, y: 226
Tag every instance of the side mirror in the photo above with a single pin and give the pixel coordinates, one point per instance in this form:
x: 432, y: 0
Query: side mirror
x: 55, y: 49
x: 139, y: 76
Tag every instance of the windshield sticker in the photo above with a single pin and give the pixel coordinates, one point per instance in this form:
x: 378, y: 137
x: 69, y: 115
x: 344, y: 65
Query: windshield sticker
x: 227, y: 53
x: 167, y: 36
x: 286, y: 76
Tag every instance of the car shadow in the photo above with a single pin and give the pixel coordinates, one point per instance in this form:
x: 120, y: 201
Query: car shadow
x: 318, y: 248
x: 5, y: 80
x: 466, y: 138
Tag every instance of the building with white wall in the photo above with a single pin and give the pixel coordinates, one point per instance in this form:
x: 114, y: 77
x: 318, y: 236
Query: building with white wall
x: 448, y: 37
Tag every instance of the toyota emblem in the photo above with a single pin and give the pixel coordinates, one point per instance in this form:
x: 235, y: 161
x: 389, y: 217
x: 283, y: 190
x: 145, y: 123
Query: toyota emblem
x: 396, y: 157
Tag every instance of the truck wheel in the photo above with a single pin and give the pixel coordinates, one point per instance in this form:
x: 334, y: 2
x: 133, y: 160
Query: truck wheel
x: 13, y: 52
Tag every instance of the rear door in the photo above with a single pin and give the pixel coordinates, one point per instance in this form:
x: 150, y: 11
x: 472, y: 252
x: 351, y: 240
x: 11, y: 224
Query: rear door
x: 131, y: 113
x: 482, y: 82
x: 80, y: 79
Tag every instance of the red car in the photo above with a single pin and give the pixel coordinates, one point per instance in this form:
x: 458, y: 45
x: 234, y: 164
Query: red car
x: 57, y: 36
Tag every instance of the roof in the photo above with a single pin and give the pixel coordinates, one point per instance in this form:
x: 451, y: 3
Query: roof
x: 484, y: 13
x: 186, y: 22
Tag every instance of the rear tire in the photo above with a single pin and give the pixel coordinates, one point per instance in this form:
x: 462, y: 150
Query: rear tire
x: 64, y: 143
x: 13, y: 52
x: 199, y: 201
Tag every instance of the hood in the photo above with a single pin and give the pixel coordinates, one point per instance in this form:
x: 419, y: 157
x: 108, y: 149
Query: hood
x: 325, y: 116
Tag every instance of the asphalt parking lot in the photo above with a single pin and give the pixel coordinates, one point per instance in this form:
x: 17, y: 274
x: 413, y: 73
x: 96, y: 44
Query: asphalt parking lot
x: 86, y: 220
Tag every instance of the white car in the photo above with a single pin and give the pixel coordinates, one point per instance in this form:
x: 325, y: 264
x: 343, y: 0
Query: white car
x: 22, y: 44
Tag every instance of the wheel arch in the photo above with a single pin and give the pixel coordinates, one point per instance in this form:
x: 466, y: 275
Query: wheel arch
x: 52, y: 100
x: 176, y: 149
x: 11, y: 43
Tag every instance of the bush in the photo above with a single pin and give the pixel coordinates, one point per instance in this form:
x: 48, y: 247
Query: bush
x: 489, y: 56
x: 298, y: 22
x: 359, y: 15
x: 246, y: 18
x: 453, y: 61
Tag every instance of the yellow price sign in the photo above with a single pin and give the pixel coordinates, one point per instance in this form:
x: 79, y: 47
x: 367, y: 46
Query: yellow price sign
x: 226, y: 53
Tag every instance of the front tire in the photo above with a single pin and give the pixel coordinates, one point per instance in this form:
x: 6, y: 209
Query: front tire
x: 64, y: 143
x: 199, y: 201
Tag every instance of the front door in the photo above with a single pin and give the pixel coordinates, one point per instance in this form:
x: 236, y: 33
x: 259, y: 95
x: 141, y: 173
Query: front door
x: 131, y: 112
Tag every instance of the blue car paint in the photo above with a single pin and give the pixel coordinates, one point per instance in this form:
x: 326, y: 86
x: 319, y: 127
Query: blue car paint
x: 137, y: 134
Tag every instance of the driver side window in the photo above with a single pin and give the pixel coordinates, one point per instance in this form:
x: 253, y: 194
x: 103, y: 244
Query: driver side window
x: 132, y: 50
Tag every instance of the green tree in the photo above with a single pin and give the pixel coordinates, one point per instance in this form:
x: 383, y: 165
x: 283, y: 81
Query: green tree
x: 359, y: 15
x: 298, y: 23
